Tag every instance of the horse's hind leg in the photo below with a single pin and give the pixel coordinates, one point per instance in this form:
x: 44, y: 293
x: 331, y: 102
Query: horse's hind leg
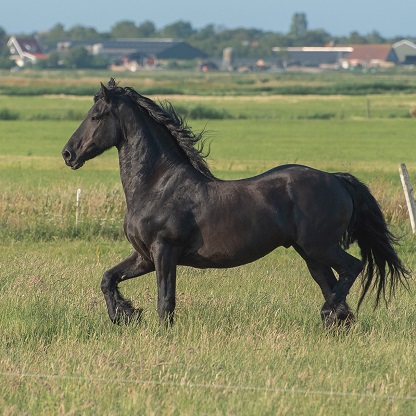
x: 335, y: 309
x: 119, y: 309
x: 321, y: 273
x: 324, y: 276
x: 348, y: 268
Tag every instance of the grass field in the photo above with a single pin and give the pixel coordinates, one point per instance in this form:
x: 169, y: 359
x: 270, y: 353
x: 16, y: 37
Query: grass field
x: 247, y: 340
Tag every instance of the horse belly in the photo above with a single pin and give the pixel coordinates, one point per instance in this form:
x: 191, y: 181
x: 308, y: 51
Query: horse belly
x: 237, y: 240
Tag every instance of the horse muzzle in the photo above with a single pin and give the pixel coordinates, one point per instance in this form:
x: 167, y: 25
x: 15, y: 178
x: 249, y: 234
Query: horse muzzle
x: 71, y: 159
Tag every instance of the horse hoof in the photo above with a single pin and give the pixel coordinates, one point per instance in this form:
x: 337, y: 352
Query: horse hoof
x: 329, y: 320
x: 339, y: 316
x: 344, y: 313
x: 125, y: 317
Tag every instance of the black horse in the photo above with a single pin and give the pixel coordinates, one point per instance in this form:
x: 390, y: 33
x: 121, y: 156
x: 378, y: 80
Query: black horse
x: 178, y: 213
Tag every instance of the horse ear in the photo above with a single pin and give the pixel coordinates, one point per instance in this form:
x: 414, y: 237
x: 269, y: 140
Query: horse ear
x: 112, y: 83
x: 105, y: 93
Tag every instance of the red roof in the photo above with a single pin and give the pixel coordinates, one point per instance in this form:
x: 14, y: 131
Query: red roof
x: 369, y: 52
x: 40, y: 55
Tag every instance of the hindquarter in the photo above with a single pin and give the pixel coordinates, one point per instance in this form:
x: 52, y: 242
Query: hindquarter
x: 323, y: 209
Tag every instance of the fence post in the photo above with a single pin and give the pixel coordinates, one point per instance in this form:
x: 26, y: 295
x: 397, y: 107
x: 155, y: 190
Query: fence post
x: 77, y: 209
x: 408, y: 193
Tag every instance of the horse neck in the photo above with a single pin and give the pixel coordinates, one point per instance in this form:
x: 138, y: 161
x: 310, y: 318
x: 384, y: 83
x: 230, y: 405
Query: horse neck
x: 147, y: 154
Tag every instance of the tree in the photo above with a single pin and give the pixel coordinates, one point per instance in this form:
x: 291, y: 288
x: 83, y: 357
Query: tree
x: 146, y: 29
x: 316, y: 37
x: 77, y: 57
x: 125, y: 29
x: 375, y: 37
x: 83, y: 33
x: 5, y: 61
x: 180, y: 29
x: 356, y: 38
x: 206, y: 40
x: 299, y: 25
x: 53, y: 36
x: 53, y: 61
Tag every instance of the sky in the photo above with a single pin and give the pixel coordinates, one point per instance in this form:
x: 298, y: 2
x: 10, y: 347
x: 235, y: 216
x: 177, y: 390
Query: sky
x: 336, y: 17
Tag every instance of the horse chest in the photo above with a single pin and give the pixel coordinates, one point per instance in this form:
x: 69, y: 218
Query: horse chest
x: 143, y: 229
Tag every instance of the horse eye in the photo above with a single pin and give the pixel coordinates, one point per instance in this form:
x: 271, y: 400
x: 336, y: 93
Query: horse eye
x: 99, y: 116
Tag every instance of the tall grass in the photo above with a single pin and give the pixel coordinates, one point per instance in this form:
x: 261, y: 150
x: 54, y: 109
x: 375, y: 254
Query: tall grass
x: 246, y: 341
x: 48, y: 214
x: 6, y: 114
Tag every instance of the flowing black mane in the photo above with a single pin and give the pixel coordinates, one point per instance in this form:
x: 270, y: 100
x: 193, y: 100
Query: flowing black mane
x: 166, y: 115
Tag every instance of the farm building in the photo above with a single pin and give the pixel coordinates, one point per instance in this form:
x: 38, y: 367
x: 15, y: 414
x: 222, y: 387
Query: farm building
x: 349, y: 56
x: 312, y: 56
x: 405, y: 52
x: 134, y: 53
x: 370, y: 56
x: 25, y: 49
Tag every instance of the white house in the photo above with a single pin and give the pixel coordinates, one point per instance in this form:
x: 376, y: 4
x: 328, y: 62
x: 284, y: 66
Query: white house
x: 24, y: 50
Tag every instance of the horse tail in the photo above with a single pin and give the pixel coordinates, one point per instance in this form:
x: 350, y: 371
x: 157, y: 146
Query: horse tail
x: 382, y: 266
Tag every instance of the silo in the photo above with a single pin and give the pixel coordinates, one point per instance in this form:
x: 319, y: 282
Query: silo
x: 227, y: 59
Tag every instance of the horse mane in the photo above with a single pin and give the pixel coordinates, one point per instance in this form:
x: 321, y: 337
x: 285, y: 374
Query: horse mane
x: 190, y: 143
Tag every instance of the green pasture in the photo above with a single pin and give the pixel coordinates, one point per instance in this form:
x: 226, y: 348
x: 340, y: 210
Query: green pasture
x: 247, y: 340
x: 84, y: 82
x: 290, y: 107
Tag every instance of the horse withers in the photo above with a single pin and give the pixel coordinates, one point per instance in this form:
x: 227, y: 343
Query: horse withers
x: 179, y: 213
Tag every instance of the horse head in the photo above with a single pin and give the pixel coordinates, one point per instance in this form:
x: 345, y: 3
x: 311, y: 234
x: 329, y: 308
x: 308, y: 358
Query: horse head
x: 98, y: 132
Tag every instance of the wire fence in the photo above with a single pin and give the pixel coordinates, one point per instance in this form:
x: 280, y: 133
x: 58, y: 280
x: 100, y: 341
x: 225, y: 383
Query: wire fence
x: 207, y: 386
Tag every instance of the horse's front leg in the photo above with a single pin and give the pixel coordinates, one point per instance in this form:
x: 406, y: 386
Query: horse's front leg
x: 165, y: 258
x: 119, y: 309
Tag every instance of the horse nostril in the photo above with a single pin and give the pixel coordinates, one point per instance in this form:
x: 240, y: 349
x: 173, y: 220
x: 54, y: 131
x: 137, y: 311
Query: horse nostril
x: 67, y: 155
